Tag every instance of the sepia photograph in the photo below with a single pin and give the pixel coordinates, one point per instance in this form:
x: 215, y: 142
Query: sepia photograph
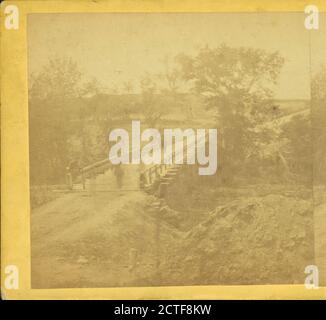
x: 175, y: 149
x: 318, y: 122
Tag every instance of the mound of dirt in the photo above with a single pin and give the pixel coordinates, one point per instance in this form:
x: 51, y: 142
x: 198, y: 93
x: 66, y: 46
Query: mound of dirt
x: 257, y: 240
x: 135, y: 239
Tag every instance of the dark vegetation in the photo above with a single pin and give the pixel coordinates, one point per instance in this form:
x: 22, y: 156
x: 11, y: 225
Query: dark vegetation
x: 70, y: 116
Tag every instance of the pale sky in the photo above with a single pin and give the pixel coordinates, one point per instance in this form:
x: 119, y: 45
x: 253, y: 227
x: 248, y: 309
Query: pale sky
x: 115, y: 48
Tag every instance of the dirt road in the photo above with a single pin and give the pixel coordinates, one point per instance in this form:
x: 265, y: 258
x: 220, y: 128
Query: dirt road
x: 92, y: 238
x: 116, y: 239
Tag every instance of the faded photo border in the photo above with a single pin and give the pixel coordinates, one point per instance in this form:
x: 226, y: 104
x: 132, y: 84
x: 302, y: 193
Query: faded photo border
x: 15, y: 198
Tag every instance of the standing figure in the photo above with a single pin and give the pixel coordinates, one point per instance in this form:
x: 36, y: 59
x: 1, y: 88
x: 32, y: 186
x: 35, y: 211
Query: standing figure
x: 119, y: 173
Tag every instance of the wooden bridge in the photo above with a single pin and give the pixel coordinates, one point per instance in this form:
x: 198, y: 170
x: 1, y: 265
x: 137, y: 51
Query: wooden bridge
x: 153, y: 179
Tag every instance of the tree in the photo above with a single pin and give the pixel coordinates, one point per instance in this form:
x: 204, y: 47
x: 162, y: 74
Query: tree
x: 237, y: 85
x: 318, y: 98
x: 149, y: 101
x: 296, y: 133
x: 56, y: 111
x: 59, y: 79
x: 171, y: 77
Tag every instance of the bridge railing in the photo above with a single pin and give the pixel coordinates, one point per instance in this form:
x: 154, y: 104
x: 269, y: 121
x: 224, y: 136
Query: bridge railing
x: 155, y: 172
x: 147, y: 177
x: 151, y: 174
x: 94, y: 169
x: 87, y: 172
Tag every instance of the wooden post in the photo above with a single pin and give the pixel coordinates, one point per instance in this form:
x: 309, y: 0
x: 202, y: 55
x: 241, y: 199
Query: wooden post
x: 142, y: 180
x: 163, y: 189
x: 83, y: 180
x: 157, y: 171
x: 149, y: 176
x: 92, y: 184
x: 69, y: 178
